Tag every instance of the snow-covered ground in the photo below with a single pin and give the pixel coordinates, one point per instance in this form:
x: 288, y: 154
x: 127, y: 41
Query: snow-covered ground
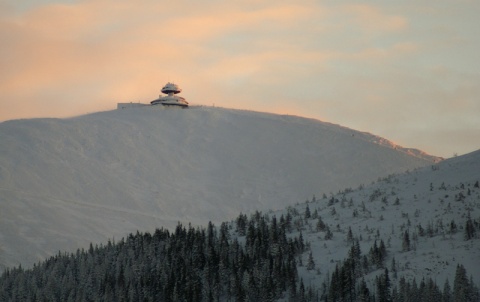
x: 431, y: 197
x: 67, y: 182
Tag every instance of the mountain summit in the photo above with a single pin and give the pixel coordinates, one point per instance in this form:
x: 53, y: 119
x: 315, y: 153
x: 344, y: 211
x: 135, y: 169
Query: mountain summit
x: 67, y: 182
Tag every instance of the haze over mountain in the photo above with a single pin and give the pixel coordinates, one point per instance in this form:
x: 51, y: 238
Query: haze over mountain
x: 67, y: 182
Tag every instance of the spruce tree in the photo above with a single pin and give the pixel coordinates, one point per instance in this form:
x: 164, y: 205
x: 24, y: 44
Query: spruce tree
x: 349, y: 235
x: 469, y: 230
x: 406, y: 242
x: 320, y: 225
x: 461, y: 286
x: 310, y: 262
x: 383, y: 287
x: 307, y: 212
x: 363, y: 292
x: 328, y: 234
x: 447, y: 292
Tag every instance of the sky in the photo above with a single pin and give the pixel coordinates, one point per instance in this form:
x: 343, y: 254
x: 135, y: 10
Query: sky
x: 408, y: 71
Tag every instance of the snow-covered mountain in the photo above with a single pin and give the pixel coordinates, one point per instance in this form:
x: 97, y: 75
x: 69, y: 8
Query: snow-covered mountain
x: 432, y: 204
x: 67, y: 182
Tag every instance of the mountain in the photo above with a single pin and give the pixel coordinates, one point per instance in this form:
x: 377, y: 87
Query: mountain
x: 408, y: 237
x: 67, y: 182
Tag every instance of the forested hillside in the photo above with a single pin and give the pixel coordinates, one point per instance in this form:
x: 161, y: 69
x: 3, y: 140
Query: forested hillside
x: 255, y: 261
x: 407, y: 237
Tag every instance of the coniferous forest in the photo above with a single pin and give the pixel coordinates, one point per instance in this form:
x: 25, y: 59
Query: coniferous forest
x: 252, y: 259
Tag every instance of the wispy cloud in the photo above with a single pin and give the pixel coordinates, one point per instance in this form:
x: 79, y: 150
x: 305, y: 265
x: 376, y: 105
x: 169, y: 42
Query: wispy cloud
x: 342, y: 61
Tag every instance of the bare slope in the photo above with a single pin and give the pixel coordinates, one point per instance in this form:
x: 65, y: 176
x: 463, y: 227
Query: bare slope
x: 67, y: 182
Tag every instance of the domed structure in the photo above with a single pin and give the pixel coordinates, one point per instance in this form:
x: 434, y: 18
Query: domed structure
x: 171, y: 99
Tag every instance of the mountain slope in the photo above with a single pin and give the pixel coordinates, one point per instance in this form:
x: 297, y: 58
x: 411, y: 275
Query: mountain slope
x: 432, y: 204
x: 67, y: 182
x: 286, y: 255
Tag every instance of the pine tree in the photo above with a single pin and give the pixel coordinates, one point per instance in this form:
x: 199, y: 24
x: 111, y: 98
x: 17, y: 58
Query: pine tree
x: 333, y: 212
x: 406, y: 242
x: 363, y: 292
x: 474, y: 291
x: 393, y: 268
x: 241, y: 222
x: 307, y: 212
x: 310, y: 262
x: 301, y: 292
x: 469, y: 230
x: 461, y: 286
x: 320, y: 225
x: 349, y: 235
x: 453, y: 227
x: 383, y: 287
x: 447, y: 292
x: 328, y: 234
x: 395, y: 294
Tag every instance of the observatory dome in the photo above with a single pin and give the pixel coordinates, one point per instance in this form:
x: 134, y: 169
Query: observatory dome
x: 171, y: 88
x: 171, y: 99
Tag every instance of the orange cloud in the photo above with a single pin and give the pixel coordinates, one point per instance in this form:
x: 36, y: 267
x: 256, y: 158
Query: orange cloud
x: 113, y: 49
x: 349, y: 63
x: 370, y: 17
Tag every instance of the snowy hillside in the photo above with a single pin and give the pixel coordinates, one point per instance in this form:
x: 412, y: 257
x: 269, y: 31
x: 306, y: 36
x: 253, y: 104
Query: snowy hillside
x: 408, y: 237
x: 433, y: 205
x: 67, y: 182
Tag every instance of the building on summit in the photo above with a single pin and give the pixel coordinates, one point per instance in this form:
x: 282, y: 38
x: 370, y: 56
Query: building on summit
x: 170, y: 99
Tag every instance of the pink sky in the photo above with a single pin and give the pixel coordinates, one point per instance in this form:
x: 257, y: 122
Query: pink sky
x: 407, y: 71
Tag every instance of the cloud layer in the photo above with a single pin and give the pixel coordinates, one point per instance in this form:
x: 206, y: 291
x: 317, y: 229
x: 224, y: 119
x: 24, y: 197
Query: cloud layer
x: 408, y: 71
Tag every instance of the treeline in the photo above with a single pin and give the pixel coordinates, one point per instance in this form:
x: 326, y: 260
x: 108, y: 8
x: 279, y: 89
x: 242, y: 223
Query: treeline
x: 347, y: 282
x: 252, y: 259
x: 189, y: 264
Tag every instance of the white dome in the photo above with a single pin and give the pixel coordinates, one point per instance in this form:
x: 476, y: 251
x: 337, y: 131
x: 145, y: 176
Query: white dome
x: 170, y: 99
x: 171, y: 88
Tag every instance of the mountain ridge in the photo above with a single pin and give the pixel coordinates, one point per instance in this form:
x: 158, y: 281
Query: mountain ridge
x: 67, y: 182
